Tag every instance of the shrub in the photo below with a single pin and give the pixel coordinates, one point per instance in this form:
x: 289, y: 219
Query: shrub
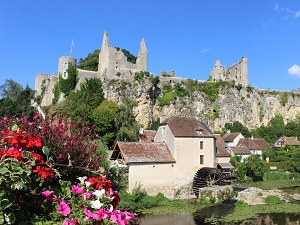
x: 273, y: 200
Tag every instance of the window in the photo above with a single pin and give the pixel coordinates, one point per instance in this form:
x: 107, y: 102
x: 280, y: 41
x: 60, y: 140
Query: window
x: 201, y: 159
x: 201, y: 144
x: 66, y: 65
x: 65, y: 75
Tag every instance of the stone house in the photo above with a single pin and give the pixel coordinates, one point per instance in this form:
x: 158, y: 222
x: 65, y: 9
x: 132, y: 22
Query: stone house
x: 282, y: 141
x: 255, y: 145
x: 231, y: 139
x: 180, y: 147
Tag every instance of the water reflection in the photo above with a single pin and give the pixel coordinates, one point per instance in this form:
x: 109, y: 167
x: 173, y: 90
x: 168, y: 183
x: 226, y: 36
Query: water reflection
x: 271, y: 219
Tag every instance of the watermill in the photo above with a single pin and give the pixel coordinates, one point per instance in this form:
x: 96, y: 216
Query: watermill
x: 206, y: 177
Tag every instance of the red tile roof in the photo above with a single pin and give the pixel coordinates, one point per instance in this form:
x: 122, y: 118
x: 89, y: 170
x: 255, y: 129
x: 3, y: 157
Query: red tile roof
x: 229, y: 137
x: 249, y: 143
x: 221, y: 146
x: 139, y: 152
x: 261, y: 143
x: 187, y: 127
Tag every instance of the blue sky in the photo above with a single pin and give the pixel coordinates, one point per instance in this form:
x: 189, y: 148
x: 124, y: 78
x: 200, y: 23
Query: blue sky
x: 186, y: 36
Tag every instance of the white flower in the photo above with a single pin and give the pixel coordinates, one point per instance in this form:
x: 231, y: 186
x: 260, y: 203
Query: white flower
x: 82, y: 179
x: 99, y: 193
x: 96, y: 204
x: 87, y: 184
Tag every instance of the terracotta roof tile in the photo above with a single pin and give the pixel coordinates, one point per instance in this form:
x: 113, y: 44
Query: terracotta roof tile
x: 141, y: 152
x: 187, y: 127
x: 249, y: 143
x: 261, y: 143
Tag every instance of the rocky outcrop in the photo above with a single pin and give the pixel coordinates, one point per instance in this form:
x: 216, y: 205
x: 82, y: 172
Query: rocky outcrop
x: 250, y: 106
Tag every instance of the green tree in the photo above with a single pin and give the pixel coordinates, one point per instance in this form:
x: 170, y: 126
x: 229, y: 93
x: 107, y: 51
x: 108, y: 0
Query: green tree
x: 293, y: 162
x: 104, y: 118
x: 80, y: 104
x: 237, y: 127
x: 10, y: 89
x: 16, y: 102
x: 90, y: 62
x: 126, y: 124
x: 253, y: 167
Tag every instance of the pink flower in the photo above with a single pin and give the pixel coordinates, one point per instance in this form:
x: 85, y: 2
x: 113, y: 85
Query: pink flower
x: 64, y: 208
x: 88, y: 213
x: 77, y: 189
x: 72, y: 221
x: 47, y: 193
x: 86, y: 195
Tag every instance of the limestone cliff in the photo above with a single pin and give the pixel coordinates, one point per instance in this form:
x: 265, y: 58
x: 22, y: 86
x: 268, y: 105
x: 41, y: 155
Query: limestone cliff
x: 248, y: 105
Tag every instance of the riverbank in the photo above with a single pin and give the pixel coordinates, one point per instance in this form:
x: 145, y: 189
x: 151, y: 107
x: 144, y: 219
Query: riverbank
x: 288, y: 191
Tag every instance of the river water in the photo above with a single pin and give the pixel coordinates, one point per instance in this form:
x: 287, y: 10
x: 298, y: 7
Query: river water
x: 217, y: 212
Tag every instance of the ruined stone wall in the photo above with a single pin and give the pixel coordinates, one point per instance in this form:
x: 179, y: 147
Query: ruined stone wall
x: 239, y: 72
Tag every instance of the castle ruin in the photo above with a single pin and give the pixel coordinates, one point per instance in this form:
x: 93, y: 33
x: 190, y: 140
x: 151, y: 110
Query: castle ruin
x: 237, y: 72
x: 114, y: 65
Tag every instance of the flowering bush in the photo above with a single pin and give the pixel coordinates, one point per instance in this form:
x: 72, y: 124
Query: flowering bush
x: 41, y: 155
x: 92, y: 201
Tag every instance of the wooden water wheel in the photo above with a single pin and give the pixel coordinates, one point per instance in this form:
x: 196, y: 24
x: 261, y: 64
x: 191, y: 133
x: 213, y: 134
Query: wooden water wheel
x: 206, y: 177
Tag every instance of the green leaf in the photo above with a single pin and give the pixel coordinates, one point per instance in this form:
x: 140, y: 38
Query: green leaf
x: 27, y: 155
x: 46, y: 151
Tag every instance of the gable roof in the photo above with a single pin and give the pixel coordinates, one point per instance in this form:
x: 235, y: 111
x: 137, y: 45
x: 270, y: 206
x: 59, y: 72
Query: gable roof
x: 187, y: 127
x: 249, y: 143
x: 142, y: 152
x: 261, y: 143
x: 240, y: 150
x: 291, y: 141
x: 221, y: 146
x: 229, y: 137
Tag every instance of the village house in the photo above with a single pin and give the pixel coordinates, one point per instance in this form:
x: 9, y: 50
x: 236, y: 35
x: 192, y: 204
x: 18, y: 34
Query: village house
x: 168, y: 162
x: 231, y: 139
x: 282, y: 141
x: 255, y: 145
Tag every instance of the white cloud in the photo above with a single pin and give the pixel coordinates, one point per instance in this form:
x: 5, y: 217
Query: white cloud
x: 204, y: 50
x: 287, y: 11
x: 294, y: 71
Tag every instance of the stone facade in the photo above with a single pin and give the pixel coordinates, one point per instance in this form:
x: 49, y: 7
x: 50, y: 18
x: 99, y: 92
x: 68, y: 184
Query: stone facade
x: 237, y: 72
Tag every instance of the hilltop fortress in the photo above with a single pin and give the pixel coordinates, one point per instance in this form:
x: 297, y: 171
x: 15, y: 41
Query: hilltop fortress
x: 113, y: 65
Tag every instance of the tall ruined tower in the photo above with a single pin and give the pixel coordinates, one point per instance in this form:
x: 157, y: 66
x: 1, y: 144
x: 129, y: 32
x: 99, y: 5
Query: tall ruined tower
x: 113, y: 63
x: 142, y: 60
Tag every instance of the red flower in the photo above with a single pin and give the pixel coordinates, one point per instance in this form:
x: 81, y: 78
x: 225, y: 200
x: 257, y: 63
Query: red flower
x: 37, y: 157
x: 44, y: 172
x: 116, y: 199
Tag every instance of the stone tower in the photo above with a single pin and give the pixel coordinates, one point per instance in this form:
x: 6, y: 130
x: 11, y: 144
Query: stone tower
x: 142, y: 60
x: 113, y: 63
x: 63, y: 63
x: 238, y: 72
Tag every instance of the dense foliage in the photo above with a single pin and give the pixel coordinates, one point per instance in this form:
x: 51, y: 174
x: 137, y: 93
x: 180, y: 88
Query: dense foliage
x: 90, y: 62
x: 15, y: 100
x: 252, y: 168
